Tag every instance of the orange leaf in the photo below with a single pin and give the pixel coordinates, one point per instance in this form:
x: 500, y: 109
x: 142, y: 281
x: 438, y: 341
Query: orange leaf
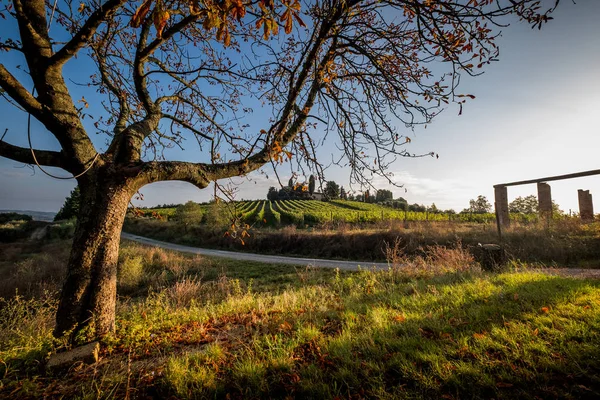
x: 286, y: 326
x: 160, y: 21
x: 399, y: 318
x: 140, y: 14
x: 535, y: 332
x: 479, y: 335
x: 545, y: 310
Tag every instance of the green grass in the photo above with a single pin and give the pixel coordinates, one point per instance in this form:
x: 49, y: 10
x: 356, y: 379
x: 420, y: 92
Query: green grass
x: 195, y: 327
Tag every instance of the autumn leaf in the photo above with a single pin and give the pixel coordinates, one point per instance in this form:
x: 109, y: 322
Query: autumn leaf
x: 140, y: 14
x: 545, y: 310
x: 81, y: 7
x: 194, y: 7
x: 238, y: 11
x: 285, y: 326
x: 161, y: 17
x: 479, y: 335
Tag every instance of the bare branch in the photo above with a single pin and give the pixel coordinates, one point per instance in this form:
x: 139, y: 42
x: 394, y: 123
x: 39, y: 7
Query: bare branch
x: 22, y: 154
x: 85, y: 34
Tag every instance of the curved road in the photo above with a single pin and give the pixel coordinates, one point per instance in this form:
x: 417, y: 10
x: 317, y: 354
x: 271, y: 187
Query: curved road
x: 315, y: 262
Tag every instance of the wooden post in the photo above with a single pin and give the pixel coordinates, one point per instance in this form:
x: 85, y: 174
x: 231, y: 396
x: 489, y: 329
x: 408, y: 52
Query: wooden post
x: 498, y: 225
x: 501, y: 205
x: 545, y: 202
x: 586, y: 207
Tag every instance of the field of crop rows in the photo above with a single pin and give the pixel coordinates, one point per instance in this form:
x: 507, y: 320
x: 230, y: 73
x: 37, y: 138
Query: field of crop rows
x: 313, y: 212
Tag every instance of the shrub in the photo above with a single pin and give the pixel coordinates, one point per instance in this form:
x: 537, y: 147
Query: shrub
x: 130, y: 271
x: 188, y: 214
x: 216, y: 216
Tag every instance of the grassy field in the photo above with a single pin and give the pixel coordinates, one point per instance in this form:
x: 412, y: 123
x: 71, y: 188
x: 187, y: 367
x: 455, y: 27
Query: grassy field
x: 194, y: 327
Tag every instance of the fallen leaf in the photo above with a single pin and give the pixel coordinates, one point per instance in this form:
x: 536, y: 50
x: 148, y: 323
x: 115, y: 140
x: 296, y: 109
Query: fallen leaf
x: 399, y: 318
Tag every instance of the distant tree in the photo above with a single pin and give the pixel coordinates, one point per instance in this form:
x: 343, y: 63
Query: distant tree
x: 479, y: 206
x: 311, y: 184
x: 449, y: 211
x: 343, y: 194
x: 332, y: 190
x: 273, y: 194
x: 400, y: 203
x: 525, y: 205
x: 284, y: 193
x: 383, y: 195
x: 367, y: 197
x: 417, y: 208
x: 433, y: 208
x: 217, y: 216
x: 530, y: 205
x: 71, y: 206
x: 188, y: 214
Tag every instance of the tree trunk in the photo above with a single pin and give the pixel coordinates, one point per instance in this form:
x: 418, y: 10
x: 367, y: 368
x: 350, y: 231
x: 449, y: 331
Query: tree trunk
x: 89, y: 294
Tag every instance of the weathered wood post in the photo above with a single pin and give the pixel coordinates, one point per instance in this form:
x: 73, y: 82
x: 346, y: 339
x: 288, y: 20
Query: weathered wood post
x: 501, y: 207
x: 544, y: 202
x: 586, y: 207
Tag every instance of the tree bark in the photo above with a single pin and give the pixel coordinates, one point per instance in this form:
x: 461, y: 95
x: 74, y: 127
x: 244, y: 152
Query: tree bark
x: 89, y: 294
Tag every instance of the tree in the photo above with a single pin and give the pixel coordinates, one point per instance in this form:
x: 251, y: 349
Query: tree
x: 311, y: 185
x: 479, y: 206
x: 530, y: 205
x: 71, y: 206
x: 525, y: 205
x: 383, y: 195
x: 433, y: 208
x: 332, y: 190
x: 273, y: 194
x: 188, y: 214
x: 417, y: 208
x: 343, y: 194
x: 162, y: 72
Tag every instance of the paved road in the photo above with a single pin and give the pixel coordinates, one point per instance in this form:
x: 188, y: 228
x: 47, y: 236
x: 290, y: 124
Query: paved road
x: 348, y: 265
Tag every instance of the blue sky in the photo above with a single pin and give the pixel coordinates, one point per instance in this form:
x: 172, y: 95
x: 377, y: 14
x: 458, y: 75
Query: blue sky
x: 535, y: 115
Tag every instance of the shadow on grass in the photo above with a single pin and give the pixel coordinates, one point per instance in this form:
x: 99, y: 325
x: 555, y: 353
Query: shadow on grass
x: 510, y: 336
